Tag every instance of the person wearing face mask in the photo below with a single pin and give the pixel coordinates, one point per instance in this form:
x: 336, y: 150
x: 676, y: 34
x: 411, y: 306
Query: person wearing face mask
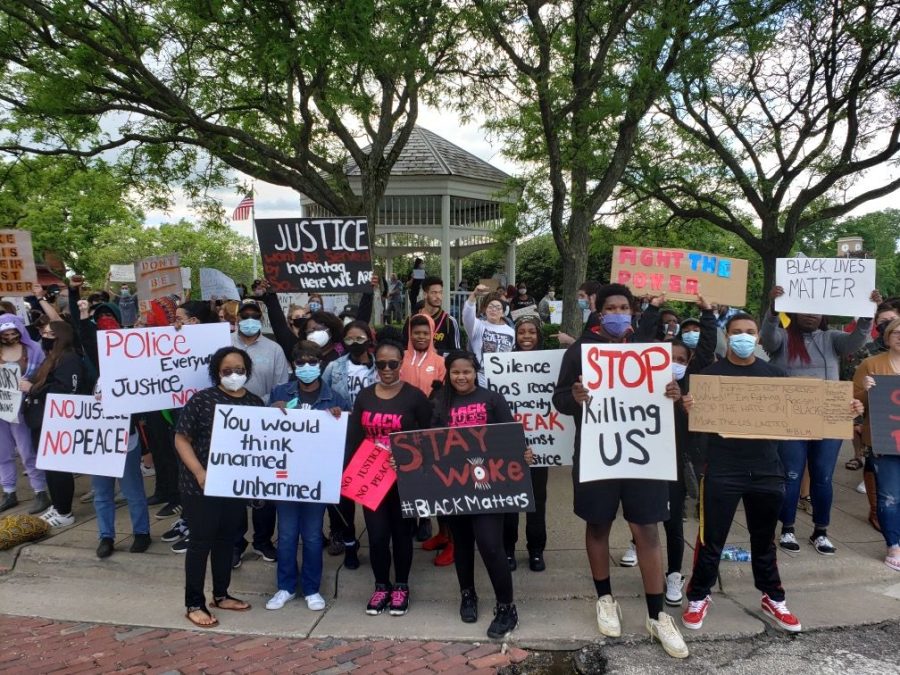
x: 303, y: 520
x: 669, y: 327
x: 213, y: 521
x: 491, y: 334
x: 521, y: 299
x: 325, y: 329
x: 544, y: 307
x: 804, y: 349
x: 128, y: 306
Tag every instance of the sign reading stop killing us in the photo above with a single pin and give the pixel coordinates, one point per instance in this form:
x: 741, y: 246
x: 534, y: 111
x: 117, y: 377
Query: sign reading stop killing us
x: 836, y: 286
x: 628, y: 424
x: 526, y: 380
x: 326, y: 255
x: 144, y: 369
x: 79, y: 436
x: 267, y: 453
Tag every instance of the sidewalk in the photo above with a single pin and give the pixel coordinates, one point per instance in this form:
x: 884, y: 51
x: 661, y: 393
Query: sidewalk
x: 60, y: 578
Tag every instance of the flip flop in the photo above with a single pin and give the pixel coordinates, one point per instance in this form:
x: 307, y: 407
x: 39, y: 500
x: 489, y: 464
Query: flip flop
x: 187, y: 615
x: 893, y: 563
x: 216, y: 603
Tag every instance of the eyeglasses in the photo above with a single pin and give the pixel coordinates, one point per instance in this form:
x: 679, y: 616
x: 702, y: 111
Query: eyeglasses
x: 358, y: 340
x: 495, y: 306
x: 306, y: 362
x: 393, y: 364
x: 228, y: 372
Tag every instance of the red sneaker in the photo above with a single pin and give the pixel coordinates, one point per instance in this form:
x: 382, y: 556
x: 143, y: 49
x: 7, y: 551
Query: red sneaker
x: 437, y: 541
x: 780, y: 614
x: 695, y: 612
x: 445, y: 557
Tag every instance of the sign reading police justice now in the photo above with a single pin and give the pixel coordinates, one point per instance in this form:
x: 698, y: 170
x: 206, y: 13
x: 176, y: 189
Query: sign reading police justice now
x: 628, y: 424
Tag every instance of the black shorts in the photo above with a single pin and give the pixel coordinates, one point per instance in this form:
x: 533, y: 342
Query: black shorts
x: 644, y: 502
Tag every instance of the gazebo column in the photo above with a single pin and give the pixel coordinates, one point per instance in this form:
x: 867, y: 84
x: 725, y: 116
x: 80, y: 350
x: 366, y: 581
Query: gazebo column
x: 388, y: 258
x: 511, y: 263
x: 458, y: 269
x: 445, y: 250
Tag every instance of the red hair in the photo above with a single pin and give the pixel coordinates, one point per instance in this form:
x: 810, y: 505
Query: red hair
x: 795, y: 345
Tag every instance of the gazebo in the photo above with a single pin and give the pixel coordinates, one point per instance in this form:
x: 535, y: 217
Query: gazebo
x: 438, y: 198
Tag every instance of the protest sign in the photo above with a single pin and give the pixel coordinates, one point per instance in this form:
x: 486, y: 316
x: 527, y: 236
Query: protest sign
x: 884, y: 414
x: 556, y: 311
x: 317, y: 254
x: 157, y: 277
x: 492, y: 284
x: 783, y: 408
x: 837, y: 286
x: 462, y: 470
x: 217, y: 285
x: 121, y: 274
x: 628, y: 425
x: 526, y: 380
x: 369, y: 475
x: 79, y: 436
x: 517, y: 314
x: 143, y: 369
x: 186, y: 278
x: 10, y: 394
x: 22, y: 307
x: 680, y: 274
x: 284, y: 455
x: 17, y: 270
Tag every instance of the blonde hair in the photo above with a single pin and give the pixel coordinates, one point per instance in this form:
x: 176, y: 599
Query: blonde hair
x: 230, y: 310
x: 890, y: 328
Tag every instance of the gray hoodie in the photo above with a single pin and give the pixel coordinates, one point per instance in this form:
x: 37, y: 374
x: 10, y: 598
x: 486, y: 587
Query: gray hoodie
x: 826, y: 348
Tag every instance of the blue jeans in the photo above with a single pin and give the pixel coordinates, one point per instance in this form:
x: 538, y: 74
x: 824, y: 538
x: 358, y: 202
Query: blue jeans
x: 822, y: 457
x: 296, y: 521
x: 132, y: 483
x: 887, y: 478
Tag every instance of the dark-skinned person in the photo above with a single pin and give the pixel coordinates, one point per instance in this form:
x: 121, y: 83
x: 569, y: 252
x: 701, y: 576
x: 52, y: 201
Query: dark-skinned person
x: 302, y: 521
x: 213, y: 521
x: 325, y: 329
x: 388, y: 406
x: 462, y: 402
x: 347, y: 376
x: 645, y: 503
x: 806, y: 348
x: 446, y: 333
x: 529, y: 338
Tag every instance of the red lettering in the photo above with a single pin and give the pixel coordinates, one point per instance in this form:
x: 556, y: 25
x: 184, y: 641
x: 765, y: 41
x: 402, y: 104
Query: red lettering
x: 675, y: 283
x: 896, y: 434
x: 627, y: 255
x: 455, y: 440
x: 494, y: 466
x: 691, y: 286
x: 554, y: 421
x: 452, y: 475
x: 400, y: 442
x: 640, y: 280
x: 656, y: 281
x: 895, y: 399
x: 645, y: 361
x: 62, y: 409
x: 624, y: 277
x: 179, y: 398
x: 647, y: 257
x: 515, y: 472
x: 59, y: 443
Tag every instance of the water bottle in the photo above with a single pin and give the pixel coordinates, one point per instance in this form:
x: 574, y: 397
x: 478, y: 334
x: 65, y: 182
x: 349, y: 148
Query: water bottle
x: 742, y: 555
x: 728, y: 552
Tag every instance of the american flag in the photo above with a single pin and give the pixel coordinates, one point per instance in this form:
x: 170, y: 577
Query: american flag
x: 242, y: 212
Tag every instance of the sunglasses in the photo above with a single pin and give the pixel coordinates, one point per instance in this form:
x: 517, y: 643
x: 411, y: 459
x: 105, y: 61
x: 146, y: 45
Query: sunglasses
x: 358, y: 340
x: 393, y: 364
x: 228, y: 372
x: 306, y: 362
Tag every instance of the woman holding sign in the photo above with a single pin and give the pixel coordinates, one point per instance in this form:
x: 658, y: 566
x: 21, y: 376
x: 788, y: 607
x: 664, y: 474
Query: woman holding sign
x: 213, y: 521
x: 491, y: 334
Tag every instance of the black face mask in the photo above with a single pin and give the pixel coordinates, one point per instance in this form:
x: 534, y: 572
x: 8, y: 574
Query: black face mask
x: 358, y: 349
x: 47, y: 344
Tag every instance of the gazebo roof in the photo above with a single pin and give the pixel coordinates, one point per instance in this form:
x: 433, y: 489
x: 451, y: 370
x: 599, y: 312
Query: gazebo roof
x: 427, y: 154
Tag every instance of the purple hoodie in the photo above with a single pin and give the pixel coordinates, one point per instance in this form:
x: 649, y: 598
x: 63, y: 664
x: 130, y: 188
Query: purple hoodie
x: 32, y: 348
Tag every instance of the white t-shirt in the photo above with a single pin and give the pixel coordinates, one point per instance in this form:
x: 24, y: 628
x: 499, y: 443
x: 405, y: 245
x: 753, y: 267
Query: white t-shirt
x: 356, y: 379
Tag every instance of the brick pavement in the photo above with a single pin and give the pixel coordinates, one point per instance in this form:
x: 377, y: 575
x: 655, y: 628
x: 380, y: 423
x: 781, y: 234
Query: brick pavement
x: 34, y: 645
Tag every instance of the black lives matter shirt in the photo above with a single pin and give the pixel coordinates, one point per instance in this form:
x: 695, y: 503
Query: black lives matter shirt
x: 196, y: 422
x: 376, y: 418
x: 481, y: 406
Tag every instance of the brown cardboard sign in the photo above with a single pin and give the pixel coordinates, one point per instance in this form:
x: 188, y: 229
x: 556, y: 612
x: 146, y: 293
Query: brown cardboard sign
x: 681, y: 274
x: 786, y: 408
x: 158, y: 277
x: 17, y: 270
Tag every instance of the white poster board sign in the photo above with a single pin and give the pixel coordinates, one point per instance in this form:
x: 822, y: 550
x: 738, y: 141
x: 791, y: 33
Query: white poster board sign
x: 526, y: 380
x: 556, y: 310
x: 143, y: 369
x: 217, y: 285
x: 121, y: 274
x: 78, y: 436
x: 628, y: 425
x: 186, y: 278
x: 835, y: 286
x: 263, y: 453
x: 10, y: 394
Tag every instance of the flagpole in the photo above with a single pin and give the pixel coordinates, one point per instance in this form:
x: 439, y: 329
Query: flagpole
x: 253, y: 227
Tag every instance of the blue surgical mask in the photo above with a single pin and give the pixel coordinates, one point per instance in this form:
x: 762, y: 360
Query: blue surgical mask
x: 250, y: 327
x: 691, y: 338
x: 308, y: 372
x: 678, y: 370
x: 583, y: 304
x: 315, y: 306
x: 616, y: 324
x: 742, y: 344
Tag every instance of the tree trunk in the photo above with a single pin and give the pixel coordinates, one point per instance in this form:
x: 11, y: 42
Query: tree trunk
x: 574, y: 268
x: 779, y: 249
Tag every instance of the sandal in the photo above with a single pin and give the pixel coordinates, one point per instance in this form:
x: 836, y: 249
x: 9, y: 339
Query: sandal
x: 191, y: 610
x: 217, y: 603
x: 854, y: 464
x: 893, y: 563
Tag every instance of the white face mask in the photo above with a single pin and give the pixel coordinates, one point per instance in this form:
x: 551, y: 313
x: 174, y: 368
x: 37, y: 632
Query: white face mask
x: 234, y: 382
x: 320, y: 337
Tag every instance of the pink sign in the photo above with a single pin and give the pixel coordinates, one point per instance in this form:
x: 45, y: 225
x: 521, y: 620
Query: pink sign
x: 369, y: 475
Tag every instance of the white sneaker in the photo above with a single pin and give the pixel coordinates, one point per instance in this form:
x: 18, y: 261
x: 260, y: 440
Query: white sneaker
x: 629, y: 558
x: 87, y: 497
x: 609, y: 617
x: 861, y: 488
x: 48, y: 514
x: 674, y: 584
x: 147, y: 471
x: 665, y: 630
x: 278, y: 600
x: 315, y: 602
x: 56, y: 519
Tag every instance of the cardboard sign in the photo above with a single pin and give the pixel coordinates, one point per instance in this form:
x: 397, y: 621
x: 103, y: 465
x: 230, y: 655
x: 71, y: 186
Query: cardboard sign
x: 884, y: 414
x: 157, y: 277
x: 681, y: 274
x: 628, y: 424
x: 836, y: 286
x: 121, y: 274
x: 517, y: 314
x: 462, y: 470
x: 267, y: 453
x: 10, y: 394
x: 526, y: 380
x: 143, y: 369
x: 783, y: 408
x: 79, y: 436
x: 492, y: 284
x: 17, y: 270
x: 317, y: 254
x: 369, y: 475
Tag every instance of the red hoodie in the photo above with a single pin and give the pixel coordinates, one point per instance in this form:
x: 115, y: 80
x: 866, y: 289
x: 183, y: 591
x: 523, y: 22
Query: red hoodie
x: 421, y: 369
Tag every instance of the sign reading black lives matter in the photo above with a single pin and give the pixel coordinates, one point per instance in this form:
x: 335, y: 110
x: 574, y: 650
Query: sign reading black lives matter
x: 462, y: 470
x: 837, y: 286
x: 327, y: 255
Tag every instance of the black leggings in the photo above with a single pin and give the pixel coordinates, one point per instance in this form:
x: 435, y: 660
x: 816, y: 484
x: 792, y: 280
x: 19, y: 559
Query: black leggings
x: 341, y: 520
x: 160, y: 439
x: 61, y: 485
x: 487, y: 530
x: 213, y: 522
x: 674, y: 526
x: 535, y: 521
x: 386, y: 526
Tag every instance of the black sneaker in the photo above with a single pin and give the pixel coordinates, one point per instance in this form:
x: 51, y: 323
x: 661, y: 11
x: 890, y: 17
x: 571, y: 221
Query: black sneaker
x: 536, y: 561
x: 511, y: 562
x: 380, y: 599
x: 267, y: 552
x: 399, y: 600
x: 140, y: 544
x: 105, y: 548
x: 178, y: 531
x: 156, y: 500
x: 180, y: 546
x: 505, y: 621
x: 423, y: 532
x: 168, y: 511
x: 468, y: 606
x: 335, y: 545
x: 823, y: 544
x: 351, y: 557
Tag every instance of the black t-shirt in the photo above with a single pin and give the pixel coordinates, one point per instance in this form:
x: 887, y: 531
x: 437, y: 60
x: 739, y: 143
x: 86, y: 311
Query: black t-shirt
x: 196, y: 422
x: 376, y: 418
x: 482, y: 406
x: 758, y: 453
x: 307, y: 398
